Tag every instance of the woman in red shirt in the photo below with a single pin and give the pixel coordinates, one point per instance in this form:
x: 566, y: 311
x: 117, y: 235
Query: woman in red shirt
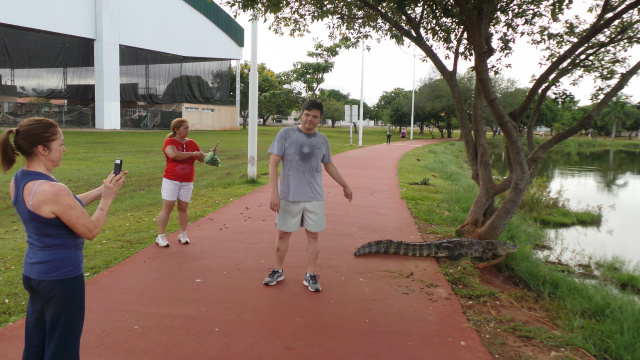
x: 177, y: 183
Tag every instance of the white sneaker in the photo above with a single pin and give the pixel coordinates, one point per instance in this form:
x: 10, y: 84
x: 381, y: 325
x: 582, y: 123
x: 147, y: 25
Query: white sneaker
x: 183, y: 238
x: 162, y: 240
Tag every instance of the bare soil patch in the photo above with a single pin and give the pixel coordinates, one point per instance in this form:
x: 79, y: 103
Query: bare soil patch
x: 512, y: 325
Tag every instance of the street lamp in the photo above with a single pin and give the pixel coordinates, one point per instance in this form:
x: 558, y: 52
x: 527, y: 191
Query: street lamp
x: 413, y: 91
x: 361, y: 97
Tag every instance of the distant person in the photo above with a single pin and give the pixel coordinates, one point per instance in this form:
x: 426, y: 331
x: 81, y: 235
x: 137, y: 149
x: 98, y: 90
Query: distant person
x: 56, y: 224
x: 299, y: 198
x: 388, y: 134
x: 181, y: 154
x: 403, y: 134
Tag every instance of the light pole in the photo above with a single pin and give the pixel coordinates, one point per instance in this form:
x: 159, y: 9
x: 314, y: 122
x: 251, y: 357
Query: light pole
x: 238, y: 89
x: 413, y: 91
x: 361, y: 97
x: 252, y: 160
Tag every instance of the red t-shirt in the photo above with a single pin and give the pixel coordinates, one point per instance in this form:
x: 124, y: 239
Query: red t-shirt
x: 180, y: 170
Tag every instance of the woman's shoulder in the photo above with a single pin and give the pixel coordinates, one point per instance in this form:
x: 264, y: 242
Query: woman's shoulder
x: 54, y: 188
x: 51, y: 192
x: 171, y: 142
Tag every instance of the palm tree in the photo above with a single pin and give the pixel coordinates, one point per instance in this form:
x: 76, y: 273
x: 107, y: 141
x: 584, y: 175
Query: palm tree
x: 618, y: 109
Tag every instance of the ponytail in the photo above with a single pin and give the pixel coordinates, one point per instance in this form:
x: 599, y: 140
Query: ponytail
x: 8, y: 152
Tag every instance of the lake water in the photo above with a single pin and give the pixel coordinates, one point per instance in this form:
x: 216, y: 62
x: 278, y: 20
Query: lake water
x: 606, y: 178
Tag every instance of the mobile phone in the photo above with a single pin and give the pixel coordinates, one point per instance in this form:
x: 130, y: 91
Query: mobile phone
x: 117, y: 167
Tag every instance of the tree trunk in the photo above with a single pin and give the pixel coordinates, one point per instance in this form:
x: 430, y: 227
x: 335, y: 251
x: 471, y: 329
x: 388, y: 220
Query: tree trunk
x: 484, y: 220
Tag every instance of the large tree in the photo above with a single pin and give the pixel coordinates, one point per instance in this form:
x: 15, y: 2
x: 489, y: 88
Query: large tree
x: 273, y: 97
x: 383, y: 111
x: 434, y: 103
x: 306, y: 76
x: 484, y: 32
x: 334, y: 101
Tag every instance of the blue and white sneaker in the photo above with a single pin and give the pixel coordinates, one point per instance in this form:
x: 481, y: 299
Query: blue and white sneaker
x: 311, y: 280
x: 275, y: 276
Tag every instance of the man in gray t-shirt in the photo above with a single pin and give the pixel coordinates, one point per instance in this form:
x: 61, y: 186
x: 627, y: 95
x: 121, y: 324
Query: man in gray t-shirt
x: 298, y: 199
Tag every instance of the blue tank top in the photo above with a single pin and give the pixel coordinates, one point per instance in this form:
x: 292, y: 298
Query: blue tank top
x: 54, y: 251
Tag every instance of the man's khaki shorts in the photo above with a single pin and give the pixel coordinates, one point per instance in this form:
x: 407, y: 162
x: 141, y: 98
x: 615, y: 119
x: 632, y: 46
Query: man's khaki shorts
x: 294, y: 215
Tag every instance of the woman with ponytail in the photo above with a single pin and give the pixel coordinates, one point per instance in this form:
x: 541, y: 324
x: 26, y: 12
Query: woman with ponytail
x: 56, y: 224
x: 181, y: 154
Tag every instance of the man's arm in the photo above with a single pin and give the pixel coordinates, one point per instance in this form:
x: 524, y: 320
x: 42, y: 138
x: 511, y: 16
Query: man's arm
x: 332, y: 170
x: 274, y: 203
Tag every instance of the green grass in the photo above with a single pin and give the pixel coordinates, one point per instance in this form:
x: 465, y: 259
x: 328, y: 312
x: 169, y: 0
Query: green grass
x: 604, y: 322
x: 131, y: 224
x: 463, y: 278
x: 444, y: 203
x: 618, y: 273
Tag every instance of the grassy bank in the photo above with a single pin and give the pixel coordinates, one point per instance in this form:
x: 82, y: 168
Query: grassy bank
x: 131, y: 225
x: 606, y: 323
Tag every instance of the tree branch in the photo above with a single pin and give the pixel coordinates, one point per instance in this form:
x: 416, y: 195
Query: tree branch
x: 586, y: 121
x: 595, y: 29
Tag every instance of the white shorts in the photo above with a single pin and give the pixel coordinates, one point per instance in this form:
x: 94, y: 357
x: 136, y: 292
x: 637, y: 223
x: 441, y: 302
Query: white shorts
x: 175, y: 190
x: 294, y: 215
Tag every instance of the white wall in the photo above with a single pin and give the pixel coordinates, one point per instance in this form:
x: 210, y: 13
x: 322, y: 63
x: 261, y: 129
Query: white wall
x: 170, y: 26
x: 174, y: 27
x: 72, y: 17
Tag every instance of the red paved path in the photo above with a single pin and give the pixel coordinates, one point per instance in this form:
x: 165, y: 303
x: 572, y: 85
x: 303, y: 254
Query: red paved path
x: 206, y: 300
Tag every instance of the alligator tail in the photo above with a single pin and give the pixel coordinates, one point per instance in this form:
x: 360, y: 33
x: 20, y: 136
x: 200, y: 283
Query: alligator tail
x: 394, y: 248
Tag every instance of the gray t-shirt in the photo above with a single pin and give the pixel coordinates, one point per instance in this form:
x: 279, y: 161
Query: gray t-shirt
x: 302, y: 158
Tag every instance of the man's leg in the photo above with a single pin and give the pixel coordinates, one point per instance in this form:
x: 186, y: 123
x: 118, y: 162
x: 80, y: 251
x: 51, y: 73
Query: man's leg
x: 282, y: 247
x: 313, y: 249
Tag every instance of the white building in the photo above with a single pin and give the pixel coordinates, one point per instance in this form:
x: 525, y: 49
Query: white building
x: 186, y: 39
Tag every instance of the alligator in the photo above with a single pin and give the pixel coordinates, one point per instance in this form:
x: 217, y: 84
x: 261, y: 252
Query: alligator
x: 453, y: 249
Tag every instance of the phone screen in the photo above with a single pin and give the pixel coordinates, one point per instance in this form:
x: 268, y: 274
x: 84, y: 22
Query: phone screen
x: 117, y: 167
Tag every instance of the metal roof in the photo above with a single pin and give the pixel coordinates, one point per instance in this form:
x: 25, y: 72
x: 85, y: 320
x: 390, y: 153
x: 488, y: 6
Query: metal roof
x: 220, y: 18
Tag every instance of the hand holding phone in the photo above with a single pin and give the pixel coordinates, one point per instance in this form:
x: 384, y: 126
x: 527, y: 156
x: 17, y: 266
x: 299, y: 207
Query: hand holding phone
x: 117, y: 167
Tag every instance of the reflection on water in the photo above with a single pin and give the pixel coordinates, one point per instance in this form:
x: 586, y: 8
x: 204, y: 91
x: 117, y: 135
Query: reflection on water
x: 610, y: 179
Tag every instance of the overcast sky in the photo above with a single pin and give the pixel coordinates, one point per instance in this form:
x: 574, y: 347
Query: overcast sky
x: 386, y: 65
